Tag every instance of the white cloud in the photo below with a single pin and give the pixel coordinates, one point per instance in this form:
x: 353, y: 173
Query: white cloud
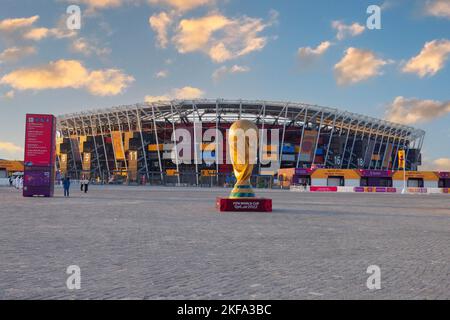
x: 162, y: 74
x: 185, y: 93
x: 344, y: 31
x: 93, y: 5
x: 438, y: 8
x: 411, y: 111
x: 10, y: 150
x: 308, y: 53
x: 9, y: 95
x: 151, y: 99
x: 68, y: 74
x: 108, y: 82
x: 24, y: 28
x: 13, y: 24
x: 16, y: 53
x: 358, y: 65
x: 220, y: 37
x: 224, y: 70
x: 441, y: 164
x: 182, y: 5
x: 160, y: 23
x: 38, y: 34
x: 430, y: 60
x: 88, y: 47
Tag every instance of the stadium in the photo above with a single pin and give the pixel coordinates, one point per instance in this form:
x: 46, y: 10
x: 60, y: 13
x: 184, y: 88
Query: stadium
x: 133, y: 143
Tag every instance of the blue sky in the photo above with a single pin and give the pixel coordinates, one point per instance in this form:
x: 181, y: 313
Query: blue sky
x: 319, y: 52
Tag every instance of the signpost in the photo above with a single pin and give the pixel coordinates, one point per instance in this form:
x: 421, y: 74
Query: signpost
x: 39, y: 158
x: 402, y: 165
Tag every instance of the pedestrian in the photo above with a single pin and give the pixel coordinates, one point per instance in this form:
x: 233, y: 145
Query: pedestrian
x: 86, y: 185
x: 66, y: 186
x: 81, y: 184
x: 10, y: 181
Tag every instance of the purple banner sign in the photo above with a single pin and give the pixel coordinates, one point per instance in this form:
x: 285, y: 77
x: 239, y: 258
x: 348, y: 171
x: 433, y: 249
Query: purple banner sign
x: 444, y: 175
x: 303, y: 172
x: 375, y: 189
x: 375, y: 173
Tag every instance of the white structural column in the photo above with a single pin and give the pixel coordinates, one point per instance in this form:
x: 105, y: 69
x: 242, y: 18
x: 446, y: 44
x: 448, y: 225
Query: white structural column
x: 217, y: 141
x: 383, y: 134
x: 317, y: 139
x: 389, y: 135
x: 331, y: 139
x: 119, y: 124
x: 283, y: 135
x: 175, y: 142
x: 78, y: 141
x: 353, y: 144
x: 194, y: 123
x: 94, y: 136
x: 112, y: 143
x: 261, y: 141
x: 368, y: 143
x: 305, y: 120
x: 157, y: 141
x: 346, y: 142
x: 374, y: 145
x: 104, y: 144
x: 71, y: 147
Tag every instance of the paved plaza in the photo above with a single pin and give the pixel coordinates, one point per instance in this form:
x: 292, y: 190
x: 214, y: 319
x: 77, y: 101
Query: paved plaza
x: 170, y: 243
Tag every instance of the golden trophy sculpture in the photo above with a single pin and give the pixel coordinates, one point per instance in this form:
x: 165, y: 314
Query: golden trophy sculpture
x: 242, y: 137
x: 243, y: 147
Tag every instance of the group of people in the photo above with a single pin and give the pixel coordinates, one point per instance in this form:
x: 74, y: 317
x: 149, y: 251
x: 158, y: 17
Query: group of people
x: 16, y: 182
x: 84, y: 185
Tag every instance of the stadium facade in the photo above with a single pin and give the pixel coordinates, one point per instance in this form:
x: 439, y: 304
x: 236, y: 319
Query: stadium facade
x: 134, y: 143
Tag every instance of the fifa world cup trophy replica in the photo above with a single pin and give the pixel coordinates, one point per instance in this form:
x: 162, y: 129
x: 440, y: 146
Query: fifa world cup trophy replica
x: 243, y: 148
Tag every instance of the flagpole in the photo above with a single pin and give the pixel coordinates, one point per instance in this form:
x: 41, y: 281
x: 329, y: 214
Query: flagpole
x: 403, y: 163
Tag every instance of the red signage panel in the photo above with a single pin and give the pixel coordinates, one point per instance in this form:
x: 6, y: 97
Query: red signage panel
x: 323, y: 189
x: 39, y: 140
x: 39, y: 159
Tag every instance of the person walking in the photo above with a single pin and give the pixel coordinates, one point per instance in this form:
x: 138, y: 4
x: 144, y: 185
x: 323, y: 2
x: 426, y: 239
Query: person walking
x: 86, y: 185
x: 66, y: 186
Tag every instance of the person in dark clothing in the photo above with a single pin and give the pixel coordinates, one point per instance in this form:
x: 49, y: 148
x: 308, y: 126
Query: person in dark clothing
x: 66, y: 186
x: 86, y: 185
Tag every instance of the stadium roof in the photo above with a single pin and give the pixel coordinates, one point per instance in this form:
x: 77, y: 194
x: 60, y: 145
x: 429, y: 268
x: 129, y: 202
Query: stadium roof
x: 221, y: 110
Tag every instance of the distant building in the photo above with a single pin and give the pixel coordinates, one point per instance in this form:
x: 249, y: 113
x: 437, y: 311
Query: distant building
x: 8, y: 167
x: 134, y: 142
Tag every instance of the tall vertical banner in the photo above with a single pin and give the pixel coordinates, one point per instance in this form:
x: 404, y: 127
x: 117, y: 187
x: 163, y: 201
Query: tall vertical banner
x: 401, y: 159
x: 40, y: 153
x: 308, y: 145
x: 117, y: 143
x: 86, y: 164
x: 132, y: 165
x: 387, y: 157
x: 63, y: 164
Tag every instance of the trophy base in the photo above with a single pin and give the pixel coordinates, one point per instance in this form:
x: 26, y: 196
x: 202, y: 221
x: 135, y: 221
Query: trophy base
x: 244, y: 205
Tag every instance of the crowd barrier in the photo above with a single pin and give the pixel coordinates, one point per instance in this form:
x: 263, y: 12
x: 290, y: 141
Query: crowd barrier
x: 297, y: 188
x: 375, y: 189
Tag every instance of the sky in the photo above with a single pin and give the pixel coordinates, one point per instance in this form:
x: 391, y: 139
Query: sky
x: 322, y: 52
